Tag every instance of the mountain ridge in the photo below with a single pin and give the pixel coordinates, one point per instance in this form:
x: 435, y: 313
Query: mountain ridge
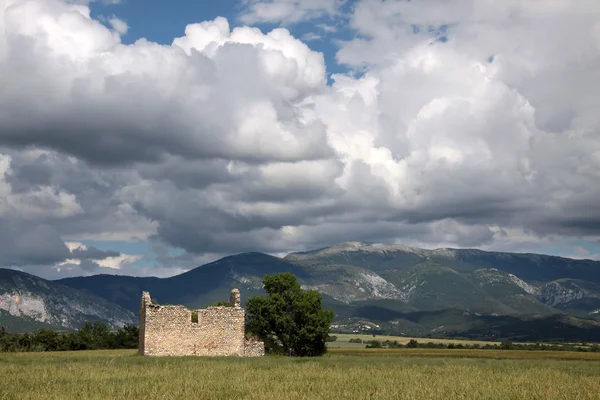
x: 374, y: 246
x: 44, y: 303
x: 385, y: 283
x: 361, y: 278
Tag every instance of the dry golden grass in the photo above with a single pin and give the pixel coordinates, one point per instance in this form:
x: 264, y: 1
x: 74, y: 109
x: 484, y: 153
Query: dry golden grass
x: 468, y: 353
x: 350, y: 374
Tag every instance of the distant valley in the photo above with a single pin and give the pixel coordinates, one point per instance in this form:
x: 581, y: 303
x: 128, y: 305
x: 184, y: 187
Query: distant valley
x: 371, y: 286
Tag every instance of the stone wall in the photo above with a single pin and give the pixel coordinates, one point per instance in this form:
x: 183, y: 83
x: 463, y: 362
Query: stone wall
x: 254, y: 348
x: 220, y: 331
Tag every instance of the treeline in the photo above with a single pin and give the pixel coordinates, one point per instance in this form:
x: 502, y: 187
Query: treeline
x: 505, y: 345
x: 92, y: 336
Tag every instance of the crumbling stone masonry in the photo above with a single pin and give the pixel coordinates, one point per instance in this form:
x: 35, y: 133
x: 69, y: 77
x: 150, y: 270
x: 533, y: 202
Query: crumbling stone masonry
x: 220, y: 331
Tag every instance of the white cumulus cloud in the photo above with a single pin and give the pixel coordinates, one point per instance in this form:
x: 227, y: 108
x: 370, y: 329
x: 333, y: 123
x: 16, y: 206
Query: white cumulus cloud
x: 118, y: 25
x: 460, y: 123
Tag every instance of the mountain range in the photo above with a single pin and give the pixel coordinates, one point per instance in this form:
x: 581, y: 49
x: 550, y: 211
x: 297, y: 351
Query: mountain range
x: 28, y: 302
x: 370, y: 286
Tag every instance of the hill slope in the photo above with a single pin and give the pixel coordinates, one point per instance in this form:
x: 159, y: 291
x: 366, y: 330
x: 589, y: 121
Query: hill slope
x: 28, y: 302
x: 481, y: 281
x: 198, y: 287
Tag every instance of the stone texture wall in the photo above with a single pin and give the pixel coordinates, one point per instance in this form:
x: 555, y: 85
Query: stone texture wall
x: 220, y: 331
x: 254, y: 348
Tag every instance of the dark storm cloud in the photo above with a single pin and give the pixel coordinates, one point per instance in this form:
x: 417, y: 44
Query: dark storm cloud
x: 95, y: 189
x: 21, y: 179
x: 90, y: 266
x: 184, y: 174
x: 23, y: 243
x: 92, y: 253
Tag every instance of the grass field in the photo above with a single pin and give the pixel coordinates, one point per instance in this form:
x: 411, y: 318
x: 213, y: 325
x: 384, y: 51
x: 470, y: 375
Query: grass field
x: 342, y: 374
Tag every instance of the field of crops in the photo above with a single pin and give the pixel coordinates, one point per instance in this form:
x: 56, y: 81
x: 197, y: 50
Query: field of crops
x: 341, y: 374
x: 343, y: 340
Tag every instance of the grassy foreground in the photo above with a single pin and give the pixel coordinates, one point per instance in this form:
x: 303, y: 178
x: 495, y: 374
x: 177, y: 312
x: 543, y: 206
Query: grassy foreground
x: 342, y: 374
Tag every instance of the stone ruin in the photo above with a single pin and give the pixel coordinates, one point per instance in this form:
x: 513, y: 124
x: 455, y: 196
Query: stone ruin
x: 220, y: 331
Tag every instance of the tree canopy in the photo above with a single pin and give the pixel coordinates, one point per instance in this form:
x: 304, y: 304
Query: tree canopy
x: 92, y: 336
x: 290, y: 320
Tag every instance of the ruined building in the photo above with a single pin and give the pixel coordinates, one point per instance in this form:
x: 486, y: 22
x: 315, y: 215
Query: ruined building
x: 220, y: 331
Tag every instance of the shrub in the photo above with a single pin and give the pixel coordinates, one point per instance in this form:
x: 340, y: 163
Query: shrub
x: 93, y: 335
x: 374, y: 344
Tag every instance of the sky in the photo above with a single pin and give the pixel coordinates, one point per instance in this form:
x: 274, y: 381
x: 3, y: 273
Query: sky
x: 146, y: 137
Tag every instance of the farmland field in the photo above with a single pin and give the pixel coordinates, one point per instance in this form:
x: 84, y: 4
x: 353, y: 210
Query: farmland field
x: 341, y: 374
x: 343, y: 340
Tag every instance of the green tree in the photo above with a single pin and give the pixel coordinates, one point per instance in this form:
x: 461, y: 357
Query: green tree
x: 290, y: 320
x: 506, y: 345
x: 94, y: 335
x: 47, y: 339
x: 126, y: 337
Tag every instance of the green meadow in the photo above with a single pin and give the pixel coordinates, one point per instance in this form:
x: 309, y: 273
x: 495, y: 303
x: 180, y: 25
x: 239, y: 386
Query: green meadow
x: 341, y: 374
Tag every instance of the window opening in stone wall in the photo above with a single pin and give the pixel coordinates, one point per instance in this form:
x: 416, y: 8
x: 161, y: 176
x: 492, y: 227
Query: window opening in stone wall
x: 195, y: 317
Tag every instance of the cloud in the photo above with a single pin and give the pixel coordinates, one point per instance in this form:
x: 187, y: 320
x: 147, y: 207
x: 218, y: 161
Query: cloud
x: 26, y: 244
x: 90, y: 207
x: 457, y: 133
x: 311, y: 36
x: 86, y: 2
x: 84, y: 260
x: 40, y: 200
x: 87, y: 267
x: 288, y: 11
x: 81, y: 251
x: 458, y: 124
x: 215, y: 93
x: 118, y: 261
x: 118, y: 25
